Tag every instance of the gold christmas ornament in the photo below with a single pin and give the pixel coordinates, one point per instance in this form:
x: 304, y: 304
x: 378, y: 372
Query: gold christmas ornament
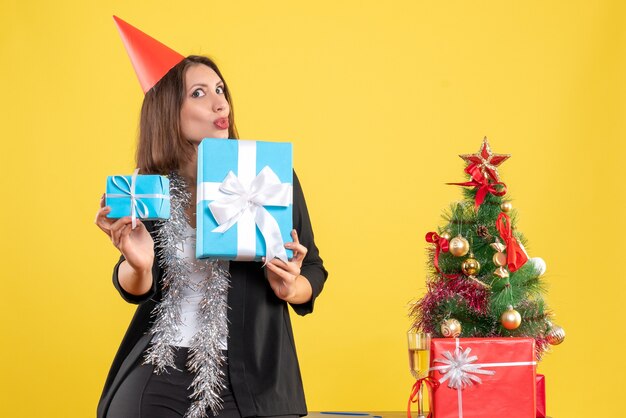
x: 506, y: 207
x: 459, y: 246
x: 451, y: 328
x: 499, y: 259
x: 556, y: 335
x: 470, y: 266
x: 446, y: 235
x: 511, y: 319
x: 501, y: 272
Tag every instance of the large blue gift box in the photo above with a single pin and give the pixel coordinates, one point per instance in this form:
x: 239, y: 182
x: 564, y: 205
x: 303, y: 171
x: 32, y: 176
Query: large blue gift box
x: 244, y: 199
x: 145, y: 197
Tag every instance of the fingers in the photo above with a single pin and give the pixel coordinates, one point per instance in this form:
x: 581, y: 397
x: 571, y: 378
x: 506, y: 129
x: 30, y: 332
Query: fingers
x: 289, y: 267
x: 125, y: 233
x: 117, y: 227
x: 282, y: 282
x: 119, y: 234
x: 120, y: 223
x: 102, y: 221
x: 140, y: 224
x: 282, y: 276
x: 299, y: 250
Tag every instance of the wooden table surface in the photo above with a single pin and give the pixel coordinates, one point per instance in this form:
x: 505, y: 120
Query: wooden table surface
x: 361, y: 414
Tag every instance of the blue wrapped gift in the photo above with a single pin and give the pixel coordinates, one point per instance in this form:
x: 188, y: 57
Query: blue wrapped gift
x: 145, y: 197
x: 244, y: 200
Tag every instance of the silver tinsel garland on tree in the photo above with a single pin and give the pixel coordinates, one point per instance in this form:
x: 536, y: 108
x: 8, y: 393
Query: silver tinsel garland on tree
x: 205, y: 354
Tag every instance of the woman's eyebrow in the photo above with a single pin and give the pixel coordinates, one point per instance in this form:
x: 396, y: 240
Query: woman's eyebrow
x: 193, y: 86
x: 205, y: 85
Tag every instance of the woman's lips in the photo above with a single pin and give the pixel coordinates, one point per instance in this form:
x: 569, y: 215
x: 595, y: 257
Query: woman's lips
x: 221, y: 123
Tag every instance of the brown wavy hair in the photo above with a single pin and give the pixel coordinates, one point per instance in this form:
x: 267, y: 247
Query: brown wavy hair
x: 161, y: 148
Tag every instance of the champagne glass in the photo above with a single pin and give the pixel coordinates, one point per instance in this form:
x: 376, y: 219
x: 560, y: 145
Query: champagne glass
x: 419, y: 362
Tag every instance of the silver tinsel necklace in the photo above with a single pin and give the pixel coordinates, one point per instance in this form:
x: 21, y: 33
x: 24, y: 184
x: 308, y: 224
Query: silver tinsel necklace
x: 205, y: 353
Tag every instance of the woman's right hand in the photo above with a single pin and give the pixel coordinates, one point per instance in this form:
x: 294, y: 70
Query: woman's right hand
x: 136, y: 245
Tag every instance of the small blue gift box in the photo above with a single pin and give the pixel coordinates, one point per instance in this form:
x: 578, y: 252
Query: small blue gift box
x: 244, y: 199
x: 145, y: 197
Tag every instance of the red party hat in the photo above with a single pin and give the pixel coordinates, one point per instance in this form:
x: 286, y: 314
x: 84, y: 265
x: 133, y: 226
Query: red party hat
x: 150, y: 58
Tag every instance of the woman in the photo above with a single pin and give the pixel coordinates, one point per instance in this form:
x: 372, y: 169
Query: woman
x: 257, y: 369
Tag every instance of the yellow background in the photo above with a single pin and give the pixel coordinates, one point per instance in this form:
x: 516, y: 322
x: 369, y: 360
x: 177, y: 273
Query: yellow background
x: 378, y: 98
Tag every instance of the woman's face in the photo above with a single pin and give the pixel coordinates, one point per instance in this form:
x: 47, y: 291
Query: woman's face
x: 204, y: 113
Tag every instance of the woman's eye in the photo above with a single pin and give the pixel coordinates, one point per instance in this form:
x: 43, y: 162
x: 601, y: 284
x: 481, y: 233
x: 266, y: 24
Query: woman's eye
x: 219, y: 90
x: 197, y: 93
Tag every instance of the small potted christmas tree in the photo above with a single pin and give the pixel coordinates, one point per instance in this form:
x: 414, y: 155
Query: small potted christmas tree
x: 484, y: 304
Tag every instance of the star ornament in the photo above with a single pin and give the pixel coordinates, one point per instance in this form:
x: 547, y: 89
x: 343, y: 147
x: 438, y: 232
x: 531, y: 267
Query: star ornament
x: 484, y: 163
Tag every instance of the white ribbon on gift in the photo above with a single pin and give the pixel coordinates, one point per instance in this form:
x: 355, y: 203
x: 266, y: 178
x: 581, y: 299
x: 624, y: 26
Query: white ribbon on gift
x: 240, y: 200
x: 461, y: 371
x: 136, y: 205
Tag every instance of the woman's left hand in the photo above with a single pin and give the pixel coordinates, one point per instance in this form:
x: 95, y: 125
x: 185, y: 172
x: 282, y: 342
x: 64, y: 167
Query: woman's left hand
x: 284, y: 278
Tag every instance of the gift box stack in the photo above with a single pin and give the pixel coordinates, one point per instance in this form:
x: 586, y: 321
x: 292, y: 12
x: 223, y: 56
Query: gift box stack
x: 484, y: 305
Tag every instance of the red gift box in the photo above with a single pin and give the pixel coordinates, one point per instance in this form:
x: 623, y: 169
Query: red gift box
x: 541, y: 396
x: 484, y: 377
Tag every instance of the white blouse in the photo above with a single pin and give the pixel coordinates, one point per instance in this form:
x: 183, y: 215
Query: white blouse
x: 192, y: 294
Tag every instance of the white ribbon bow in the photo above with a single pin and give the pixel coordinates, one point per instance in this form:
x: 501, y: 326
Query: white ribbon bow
x: 130, y: 192
x: 240, y: 201
x: 459, y: 369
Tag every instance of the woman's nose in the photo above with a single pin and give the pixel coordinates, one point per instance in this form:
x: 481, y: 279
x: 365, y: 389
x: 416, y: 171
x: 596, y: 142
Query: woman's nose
x: 220, y: 105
